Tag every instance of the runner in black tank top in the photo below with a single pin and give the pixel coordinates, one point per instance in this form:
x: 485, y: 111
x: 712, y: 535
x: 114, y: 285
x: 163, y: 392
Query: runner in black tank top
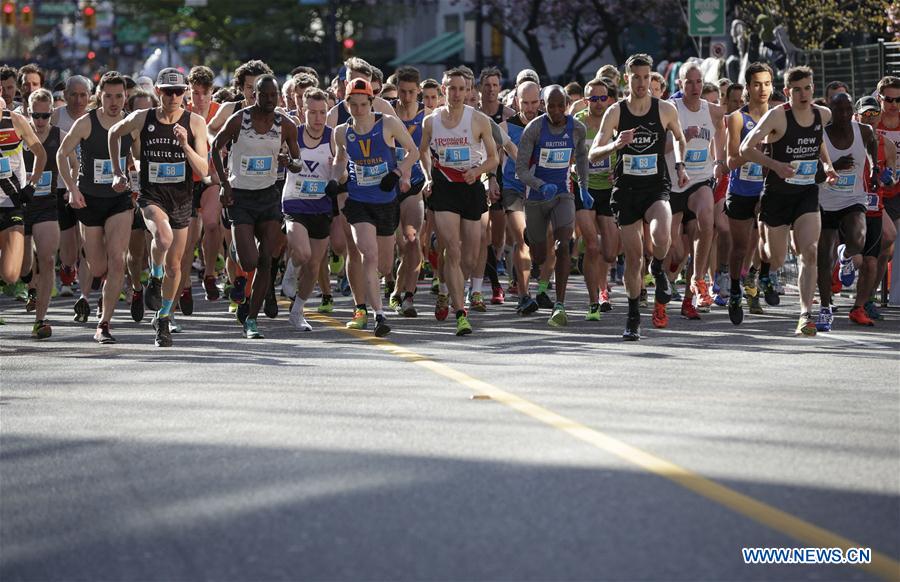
x: 641, y: 183
x: 173, y: 145
x: 790, y: 198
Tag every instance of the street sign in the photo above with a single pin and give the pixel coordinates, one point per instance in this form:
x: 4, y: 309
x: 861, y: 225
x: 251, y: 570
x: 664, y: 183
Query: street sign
x: 706, y: 17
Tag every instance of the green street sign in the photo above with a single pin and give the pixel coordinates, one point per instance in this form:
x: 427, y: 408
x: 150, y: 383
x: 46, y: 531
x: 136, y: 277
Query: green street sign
x: 706, y: 17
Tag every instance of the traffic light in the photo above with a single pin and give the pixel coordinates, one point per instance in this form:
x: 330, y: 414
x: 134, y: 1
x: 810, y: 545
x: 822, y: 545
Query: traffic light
x: 91, y: 55
x: 27, y: 16
x: 89, y: 17
x: 9, y: 14
x: 348, y: 44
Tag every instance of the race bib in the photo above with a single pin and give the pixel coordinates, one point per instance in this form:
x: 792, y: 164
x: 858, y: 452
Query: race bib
x: 309, y: 189
x: 601, y: 167
x: 370, y: 175
x: 256, y: 165
x: 555, y: 158
x: 400, y: 153
x: 5, y: 168
x: 872, y: 202
x: 166, y: 173
x: 695, y: 159
x: 804, y: 172
x: 642, y: 165
x: 134, y: 176
x: 845, y: 182
x: 457, y: 157
x: 44, y: 185
x: 103, y: 171
x: 751, y: 172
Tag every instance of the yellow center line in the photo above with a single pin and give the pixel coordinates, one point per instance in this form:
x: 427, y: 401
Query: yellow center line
x: 881, y: 565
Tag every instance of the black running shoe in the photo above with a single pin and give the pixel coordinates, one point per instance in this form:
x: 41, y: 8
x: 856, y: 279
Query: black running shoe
x: 769, y: 292
x: 163, y: 332
x: 137, y: 306
x: 186, y: 301
x: 242, y: 311
x: 632, y: 329
x: 153, y: 294
x: 544, y: 301
x: 270, y: 307
x: 82, y: 310
x: 102, y: 334
x: 381, y: 326
x: 663, y: 290
x: 735, y: 310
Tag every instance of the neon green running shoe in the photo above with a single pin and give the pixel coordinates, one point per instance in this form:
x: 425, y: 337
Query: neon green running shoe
x: 360, y: 320
x: 558, y: 318
x: 463, y: 327
x: 593, y: 313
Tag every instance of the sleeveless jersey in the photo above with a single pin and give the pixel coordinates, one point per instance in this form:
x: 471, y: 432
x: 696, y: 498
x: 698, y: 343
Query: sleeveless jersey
x: 598, y: 172
x: 213, y: 109
x: 46, y: 183
x: 850, y: 188
x: 892, y: 134
x: 748, y: 179
x: 799, y: 147
x: 304, y: 192
x: 253, y: 162
x: 515, y: 128
x: 414, y: 127
x: 453, y: 152
x: 164, y: 166
x: 12, y: 164
x: 698, y: 160
x: 343, y: 113
x: 95, y: 176
x: 641, y: 165
x: 65, y: 121
x: 553, y: 155
x: 371, y: 159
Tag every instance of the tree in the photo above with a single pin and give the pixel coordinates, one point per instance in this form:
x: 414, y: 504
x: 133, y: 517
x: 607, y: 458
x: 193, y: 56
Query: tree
x: 817, y: 24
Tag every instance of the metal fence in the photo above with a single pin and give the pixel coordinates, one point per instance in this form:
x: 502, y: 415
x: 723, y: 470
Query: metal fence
x: 860, y: 67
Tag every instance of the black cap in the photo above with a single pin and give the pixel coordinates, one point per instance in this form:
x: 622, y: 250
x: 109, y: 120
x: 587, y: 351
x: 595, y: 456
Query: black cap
x: 867, y: 104
x: 170, y: 77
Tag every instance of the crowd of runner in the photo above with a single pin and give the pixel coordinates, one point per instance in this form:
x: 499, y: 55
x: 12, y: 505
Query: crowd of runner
x: 375, y: 187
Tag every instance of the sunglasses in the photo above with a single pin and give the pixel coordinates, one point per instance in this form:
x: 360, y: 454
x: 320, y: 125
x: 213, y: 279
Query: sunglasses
x: 41, y: 115
x: 890, y: 99
x: 172, y: 91
x: 601, y: 98
x: 870, y: 113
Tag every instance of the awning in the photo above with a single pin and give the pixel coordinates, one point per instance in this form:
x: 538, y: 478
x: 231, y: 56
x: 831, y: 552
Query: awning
x: 435, y: 51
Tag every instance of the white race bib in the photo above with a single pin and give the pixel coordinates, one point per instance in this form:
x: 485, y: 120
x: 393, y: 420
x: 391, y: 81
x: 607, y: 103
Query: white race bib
x: 456, y: 157
x: 370, y: 175
x: 872, y: 202
x: 103, y: 171
x: 45, y: 184
x: 695, y: 159
x: 751, y: 172
x: 639, y: 165
x: 804, y: 172
x: 846, y: 182
x: 166, y: 172
x: 257, y: 165
x: 555, y: 158
x: 601, y: 167
x: 5, y: 168
x: 309, y: 188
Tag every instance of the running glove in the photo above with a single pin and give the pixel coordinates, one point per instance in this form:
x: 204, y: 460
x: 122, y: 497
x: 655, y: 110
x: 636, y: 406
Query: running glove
x: 887, y: 176
x: 389, y: 182
x: 586, y: 199
x: 332, y: 189
x: 548, y: 191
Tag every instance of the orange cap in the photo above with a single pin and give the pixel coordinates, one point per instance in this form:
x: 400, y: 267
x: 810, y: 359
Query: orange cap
x: 360, y: 87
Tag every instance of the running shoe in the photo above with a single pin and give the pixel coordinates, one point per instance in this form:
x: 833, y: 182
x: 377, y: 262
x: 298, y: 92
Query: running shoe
x: 441, y: 307
x: 702, y: 297
x: 660, y: 317
x: 327, y: 304
x: 663, y: 290
x: 544, y: 301
x: 344, y: 286
x: 642, y: 300
x: 632, y: 331
x: 497, y: 295
x: 243, y: 310
x: 407, y: 309
x: 836, y: 286
x: 186, y: 301
x: 872, y: 310
x: 527, y: 305
x: 360, y: 320
x: 753, y: 304
x: 593, y: 313
x: 513, y: 289
x: 162, y: 325
x: 769, y: 292
x: 806, y: 325
x: 558, y: 318
x: 823, y: 323
x: 848, y: 271
x: 858, y: 315
x: 776, y: 282
x: 238, y: 290
x: 153, y: 294
x: 174, y: 326
x: 20, y: 291
x: 41, y: 330
x: 270, y: 305
x: 435, y: 286
x: 381, y: 326
x: 31, y: 301
x: 251, y: 330
x: 501, y: 267
x: 82, y: 310
x: 735, y: 310
x: 388, y: 288
x: 102, y: 334
x: 137, y: 305
x: 605, y: 305
x: 211, y: 289
x: 394, y: 303
x: 298, y: 320
x: 232, y: 307
x: 65, y: 290
x: 477, y: 302
x: 676, y: 295
x: 688, y: 311
x: 649, y: 280
x: 463, y: 327
x: 336, y: 264
x: 289, y: 280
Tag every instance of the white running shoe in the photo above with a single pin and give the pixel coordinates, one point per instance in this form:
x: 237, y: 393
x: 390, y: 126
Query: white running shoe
x: 297, y: 320
x: 289, y: 280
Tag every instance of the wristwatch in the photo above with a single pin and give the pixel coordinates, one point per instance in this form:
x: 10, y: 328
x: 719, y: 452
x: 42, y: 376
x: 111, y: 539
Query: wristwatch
x: 679, y: 165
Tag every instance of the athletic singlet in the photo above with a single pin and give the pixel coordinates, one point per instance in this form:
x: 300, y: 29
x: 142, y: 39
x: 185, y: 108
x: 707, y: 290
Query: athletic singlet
x: 799, y: 147
x: 698, y: 160
x: 343, y: 113
x: 95, y: 176
x: 748, y: 179
x: 641, y: 165
x: 12, y: 164
x: 371, y: 159
x: 213, y: 109
x: 552, y: 156
x: 498, y: 116
x: 515, y: 128
x: 892, y: 134
x: 304, y: 192
x: 414, y: 127
x: 850, y: 188
x: 164, y: 166
x: 64, y: 121
x: 452, y: 149
x: 875, y: 200
x: 598, y: 172
x: 253, y: 162
x: 45, y: 185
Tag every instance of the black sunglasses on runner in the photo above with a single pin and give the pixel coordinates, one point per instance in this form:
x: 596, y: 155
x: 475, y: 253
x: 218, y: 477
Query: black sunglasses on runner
x: 41, y: 115
x: 887, y: 99
x: 170, y: 91
x: 601, y: 98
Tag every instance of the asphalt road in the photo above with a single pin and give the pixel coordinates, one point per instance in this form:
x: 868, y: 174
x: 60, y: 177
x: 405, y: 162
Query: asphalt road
x: 521, y: 452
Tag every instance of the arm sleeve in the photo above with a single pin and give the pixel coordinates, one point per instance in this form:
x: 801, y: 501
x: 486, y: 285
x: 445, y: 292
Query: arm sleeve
x: 581, y: 152
x: 526, y: 147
